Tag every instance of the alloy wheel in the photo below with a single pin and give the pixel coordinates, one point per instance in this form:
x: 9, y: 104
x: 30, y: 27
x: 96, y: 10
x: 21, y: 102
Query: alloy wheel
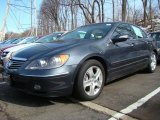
x: 153, y: 63
x: 93, y: 80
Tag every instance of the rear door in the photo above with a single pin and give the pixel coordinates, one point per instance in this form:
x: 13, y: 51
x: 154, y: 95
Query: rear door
x: 141, y: 46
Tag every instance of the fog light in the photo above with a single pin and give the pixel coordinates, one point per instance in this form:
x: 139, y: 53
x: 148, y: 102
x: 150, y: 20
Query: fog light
x: 37, y: 87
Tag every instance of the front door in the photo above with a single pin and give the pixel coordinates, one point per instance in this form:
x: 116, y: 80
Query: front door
x: 121, y: 54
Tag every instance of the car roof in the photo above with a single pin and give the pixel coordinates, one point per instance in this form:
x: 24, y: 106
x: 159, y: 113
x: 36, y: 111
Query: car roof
x: 114, y: 23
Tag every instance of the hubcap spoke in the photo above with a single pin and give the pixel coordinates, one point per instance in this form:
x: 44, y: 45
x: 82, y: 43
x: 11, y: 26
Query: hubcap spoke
x: 92, y: 89
x: 87, y: 83
x: 98, y: 83
x: 97, y: 74
x: 90, y: 72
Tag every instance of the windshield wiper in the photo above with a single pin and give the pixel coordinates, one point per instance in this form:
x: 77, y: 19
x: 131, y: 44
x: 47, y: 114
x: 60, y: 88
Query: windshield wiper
x: 57, y: 41
x: 38, y: 42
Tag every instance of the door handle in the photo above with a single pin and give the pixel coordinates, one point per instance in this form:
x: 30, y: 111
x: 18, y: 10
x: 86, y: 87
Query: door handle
x: 132, y: 44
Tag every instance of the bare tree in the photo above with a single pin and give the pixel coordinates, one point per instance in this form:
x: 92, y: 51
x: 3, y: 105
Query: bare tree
x: 145, y: 12
x: 159, y: 4
x: 89, y: 12
x: 56, y: 15
x: 124, y: 2
x: 113, y: 9
x: 74, y: 10
x: 50, y: 8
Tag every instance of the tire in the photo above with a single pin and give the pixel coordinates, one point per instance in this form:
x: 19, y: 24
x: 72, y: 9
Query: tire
x: 152, y: 63
x: 90, y: 80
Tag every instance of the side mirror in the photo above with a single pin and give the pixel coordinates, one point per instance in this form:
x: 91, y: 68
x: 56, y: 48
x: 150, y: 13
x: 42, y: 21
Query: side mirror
x: 59, y: 35
x: 120, y: 39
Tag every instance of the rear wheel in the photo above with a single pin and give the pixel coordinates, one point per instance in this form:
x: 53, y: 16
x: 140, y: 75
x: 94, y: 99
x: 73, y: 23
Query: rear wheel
x: 90, y: 80
x: 152, y: 63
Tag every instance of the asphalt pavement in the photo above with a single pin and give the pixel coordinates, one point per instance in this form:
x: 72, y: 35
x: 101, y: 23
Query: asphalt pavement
x: 116, y: 97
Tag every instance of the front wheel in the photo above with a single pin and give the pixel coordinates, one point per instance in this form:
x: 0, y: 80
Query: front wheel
x: 90, y: 80
x: 152, y: 63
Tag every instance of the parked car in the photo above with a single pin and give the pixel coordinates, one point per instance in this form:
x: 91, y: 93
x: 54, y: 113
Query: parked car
x: 10, y: 43
x: 14, y: 43
x: 156, y: 37
x: 25, y: 43
x: 6, y: 44
x: 82, y: 61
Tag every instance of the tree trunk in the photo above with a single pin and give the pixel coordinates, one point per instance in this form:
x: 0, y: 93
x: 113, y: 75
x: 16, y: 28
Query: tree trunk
x: 159, y: 5
x: 102, y: 10
x: 124, y: 10
x: 145, y: 13
x: 113, y: 9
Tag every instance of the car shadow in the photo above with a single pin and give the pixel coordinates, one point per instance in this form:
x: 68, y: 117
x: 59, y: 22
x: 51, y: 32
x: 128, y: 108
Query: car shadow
x: 13, y: 96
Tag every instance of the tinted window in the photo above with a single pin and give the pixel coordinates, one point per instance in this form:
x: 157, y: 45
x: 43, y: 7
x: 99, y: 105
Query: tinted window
x: 123, y: 29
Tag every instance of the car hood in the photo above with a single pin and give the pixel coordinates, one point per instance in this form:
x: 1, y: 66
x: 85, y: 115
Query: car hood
x: 41, y: 49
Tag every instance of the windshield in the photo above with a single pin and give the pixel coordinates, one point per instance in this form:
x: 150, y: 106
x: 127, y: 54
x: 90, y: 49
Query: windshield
x: 27, y: 40
x: 17, y: 41
x: 91, y: 32
x: 155, y: 36
x: 9, y: 41
x: 49, y: 38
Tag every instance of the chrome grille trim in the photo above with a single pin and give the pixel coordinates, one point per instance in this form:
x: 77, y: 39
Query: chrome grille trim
x: 19, y: 59
x: 16, y: 63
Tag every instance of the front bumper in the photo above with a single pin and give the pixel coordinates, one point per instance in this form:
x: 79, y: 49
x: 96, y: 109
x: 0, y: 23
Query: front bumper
x: 53, y: 85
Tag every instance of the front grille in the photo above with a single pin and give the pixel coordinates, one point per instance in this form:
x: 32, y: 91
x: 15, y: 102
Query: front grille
x: 15, y: 64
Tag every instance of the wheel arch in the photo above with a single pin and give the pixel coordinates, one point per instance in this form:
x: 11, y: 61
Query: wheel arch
x: 97, y: 57
x: 156, y: 52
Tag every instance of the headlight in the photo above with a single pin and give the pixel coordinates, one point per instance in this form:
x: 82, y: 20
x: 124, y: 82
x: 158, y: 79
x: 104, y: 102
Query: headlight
x: 48, y: 63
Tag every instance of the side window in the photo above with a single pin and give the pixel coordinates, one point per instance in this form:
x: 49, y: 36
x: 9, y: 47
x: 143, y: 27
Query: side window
x: 139, y: 32
x: 123, y: 29
x: 156, y: 36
